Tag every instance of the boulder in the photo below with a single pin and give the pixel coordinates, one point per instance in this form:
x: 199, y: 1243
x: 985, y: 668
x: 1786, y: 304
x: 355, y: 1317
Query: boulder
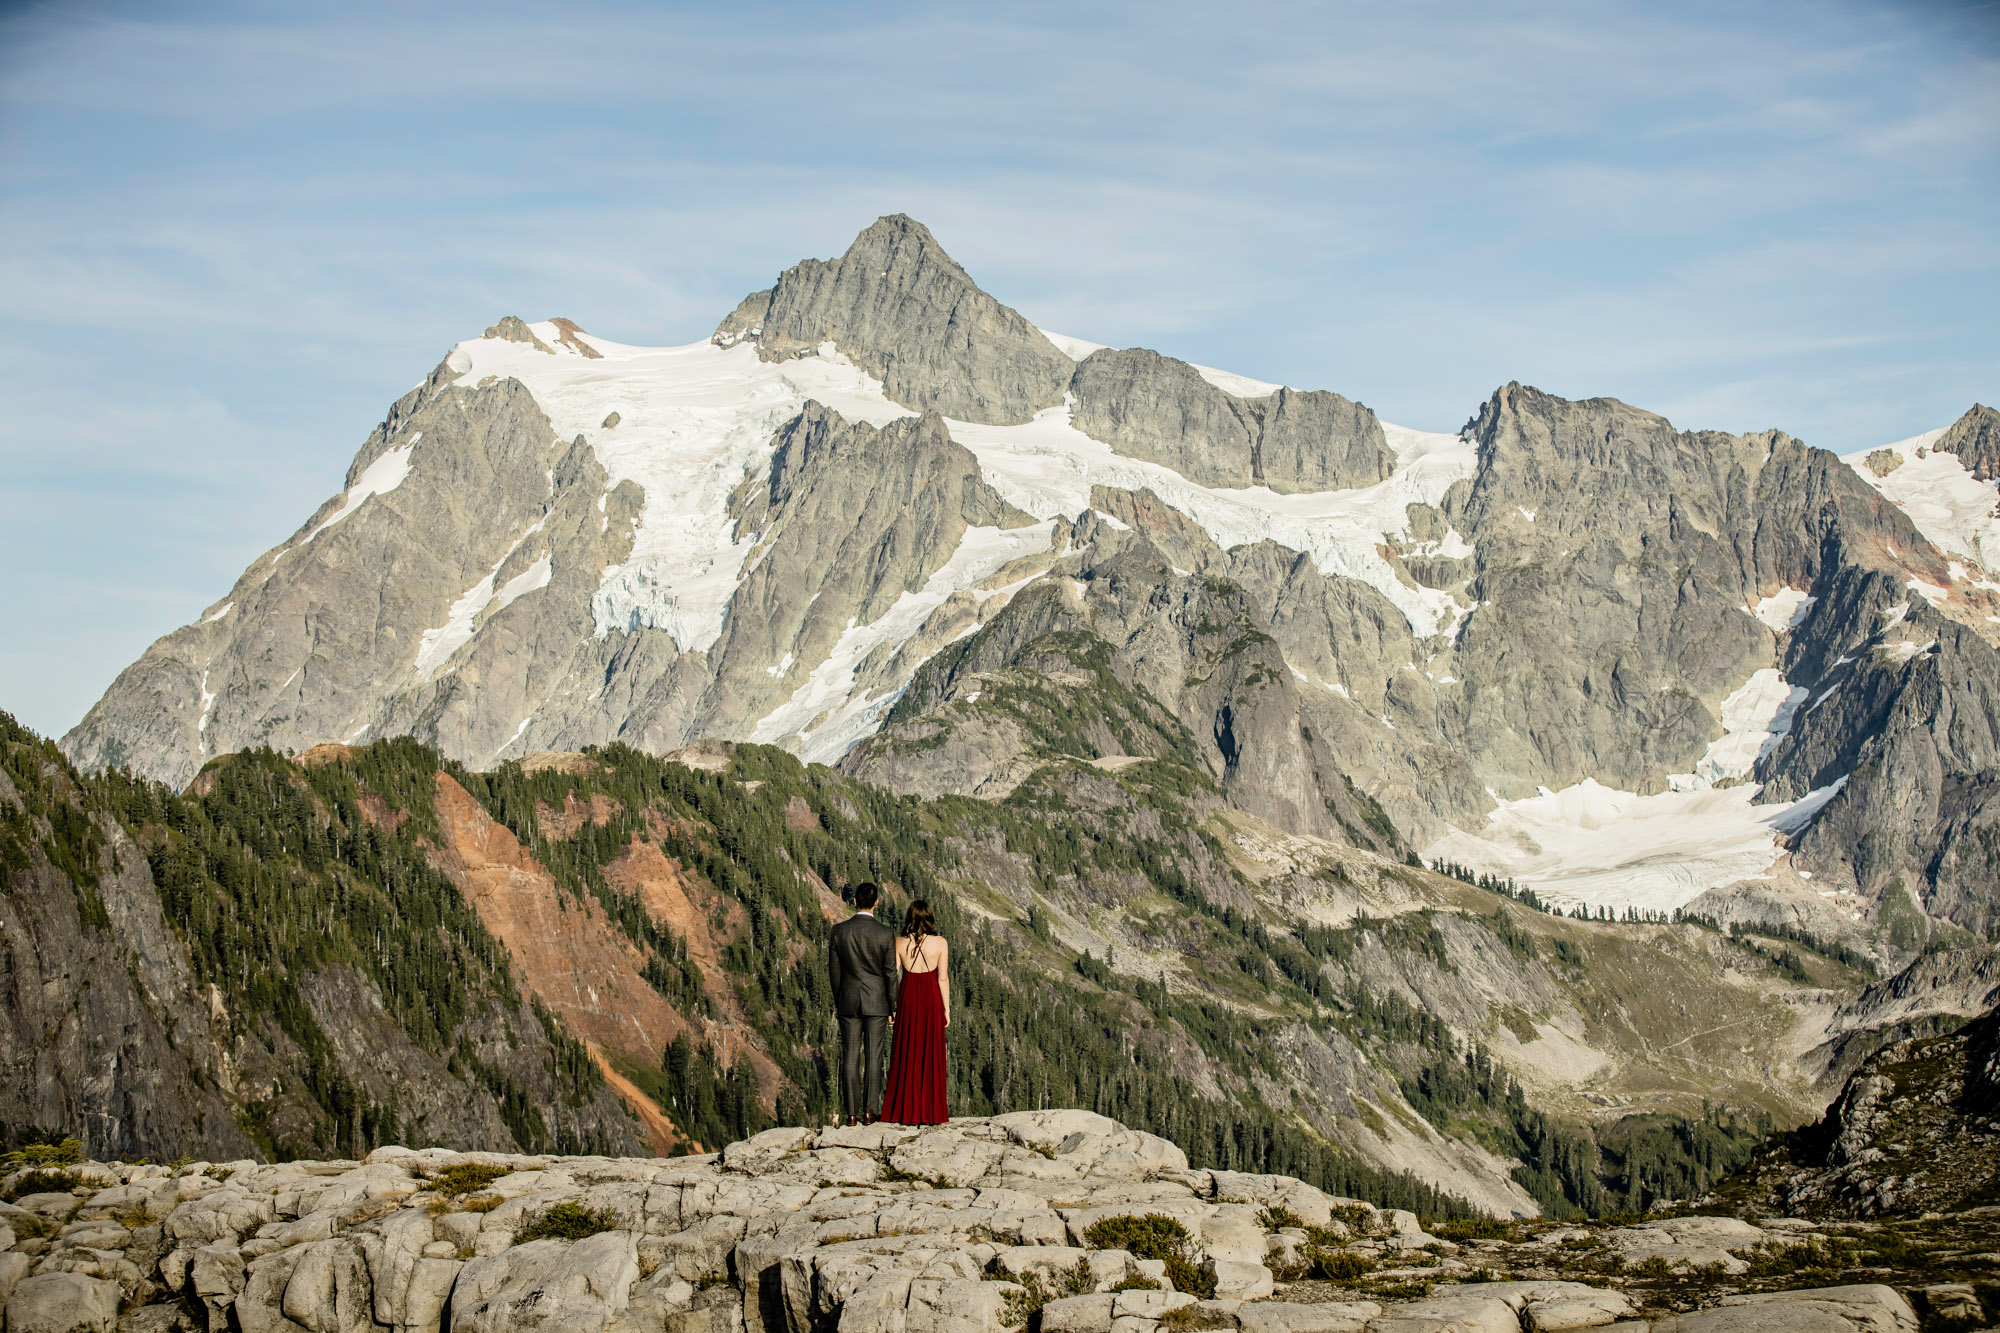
x: 552, y: 1285
x: 955, y: 1306
x: 1286, y: 1317
x: 1078, y: 1314
x: 1455, y: 1313
x: 62, y: 1303
x: 1148, y: 1304
x: 1869, y: 1308
x: 1242, y: 1281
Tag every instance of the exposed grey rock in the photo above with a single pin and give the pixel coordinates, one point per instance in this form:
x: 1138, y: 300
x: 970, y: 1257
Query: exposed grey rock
x: 515, y: 330
x: 1975, y: 438
x: 62, y: 1303
x: 851, y: 518
x: 905, y: 312
x: 99, y: 1022
x: 1911, y: 1132
x: 548, y: 1284
x: 1153, y: 407
x: 1860, y: 1309
x: 1320, y: 1317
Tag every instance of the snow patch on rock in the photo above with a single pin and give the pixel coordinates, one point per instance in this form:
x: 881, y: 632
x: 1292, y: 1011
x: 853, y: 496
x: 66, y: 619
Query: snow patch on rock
x: 1949, y: 505
x: 380, y: 477
x: 692, y: 422
x: 1047, y: 467
x: 827, y: 715
x: 1784, y: 609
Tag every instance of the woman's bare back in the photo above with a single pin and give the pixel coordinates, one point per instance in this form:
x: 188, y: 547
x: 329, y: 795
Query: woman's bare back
x: 926, y: 956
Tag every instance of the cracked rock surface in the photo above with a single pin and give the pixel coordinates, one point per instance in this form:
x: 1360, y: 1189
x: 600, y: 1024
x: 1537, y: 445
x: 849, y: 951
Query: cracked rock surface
x: 977, y: 1226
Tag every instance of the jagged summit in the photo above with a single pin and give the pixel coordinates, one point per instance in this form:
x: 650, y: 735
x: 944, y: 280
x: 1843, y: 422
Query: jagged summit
x: 904, y: 311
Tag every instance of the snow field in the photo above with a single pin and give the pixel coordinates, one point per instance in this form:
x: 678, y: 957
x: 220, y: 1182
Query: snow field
x: 1950, y: 506
x: 1047, y: 467
x: 693, y: 421
x: 1590, y: 845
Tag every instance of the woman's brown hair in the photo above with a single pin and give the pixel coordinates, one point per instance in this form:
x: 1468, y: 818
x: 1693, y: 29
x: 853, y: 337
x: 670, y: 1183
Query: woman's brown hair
x: 918, y: 921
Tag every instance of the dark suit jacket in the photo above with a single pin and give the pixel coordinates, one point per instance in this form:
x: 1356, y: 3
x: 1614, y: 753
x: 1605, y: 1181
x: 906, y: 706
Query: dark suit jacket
x: 862, y: 958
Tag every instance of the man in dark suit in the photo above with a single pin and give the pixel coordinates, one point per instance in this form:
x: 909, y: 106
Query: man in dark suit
x: 862, y: 959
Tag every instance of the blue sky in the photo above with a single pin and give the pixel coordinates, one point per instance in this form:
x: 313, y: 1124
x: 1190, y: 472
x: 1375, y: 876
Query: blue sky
x: 233, y: 234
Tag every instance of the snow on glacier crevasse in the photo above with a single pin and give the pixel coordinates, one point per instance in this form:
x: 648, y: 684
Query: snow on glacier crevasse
x: 1591, y: 845
x: 1047, y: 467
x: 693, y: 421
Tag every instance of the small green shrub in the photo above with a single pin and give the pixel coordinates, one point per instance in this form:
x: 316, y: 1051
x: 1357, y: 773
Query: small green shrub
x: 565, y: 1221
x: 219, y: 1173
x: 30, y: 1226
x: 1152, y: 1236
x: 1277, y: 1217
x: 1474, y: 1228
x: 67, y: 1153
x: 42, y: 1182
x: 1656, y: 1265
x: 467, y: 1178
x: 1359, y: 1217
x: 1135, y: 1284
x: 1337, y: 1265
x: 1037, y: 1291
x: 483, y: 1203
x: 1156, y: 1236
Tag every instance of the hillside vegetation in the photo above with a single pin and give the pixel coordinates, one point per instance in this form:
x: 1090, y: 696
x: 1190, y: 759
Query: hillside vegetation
x: 1126, y: 946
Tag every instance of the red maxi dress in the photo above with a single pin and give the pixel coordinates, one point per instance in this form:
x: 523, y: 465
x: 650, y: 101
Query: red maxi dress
x: 916, y: 1061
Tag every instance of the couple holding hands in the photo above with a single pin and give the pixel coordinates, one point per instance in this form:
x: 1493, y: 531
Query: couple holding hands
x: 869, y: 962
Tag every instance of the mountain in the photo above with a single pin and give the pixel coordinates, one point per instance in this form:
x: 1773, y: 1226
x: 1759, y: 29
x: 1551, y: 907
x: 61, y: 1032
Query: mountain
x: 880, y: 519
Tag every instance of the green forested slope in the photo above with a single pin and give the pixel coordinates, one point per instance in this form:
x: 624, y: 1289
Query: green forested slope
x: 345, y: 973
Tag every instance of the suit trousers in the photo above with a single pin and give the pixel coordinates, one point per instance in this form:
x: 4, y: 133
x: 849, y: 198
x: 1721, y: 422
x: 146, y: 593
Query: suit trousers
x: 861, y: 1073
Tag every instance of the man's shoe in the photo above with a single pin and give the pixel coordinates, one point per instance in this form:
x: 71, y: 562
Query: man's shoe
x: 870, y: 1119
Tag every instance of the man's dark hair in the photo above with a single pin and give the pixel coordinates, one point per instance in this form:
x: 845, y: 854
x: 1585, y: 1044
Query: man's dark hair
x: 865, y: 895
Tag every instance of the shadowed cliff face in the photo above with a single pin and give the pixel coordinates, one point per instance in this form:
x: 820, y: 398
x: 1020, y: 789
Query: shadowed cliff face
x: 103, y: 1030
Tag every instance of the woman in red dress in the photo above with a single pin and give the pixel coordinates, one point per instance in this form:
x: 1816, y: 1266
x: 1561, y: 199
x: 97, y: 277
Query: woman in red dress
x: 923, y: 1012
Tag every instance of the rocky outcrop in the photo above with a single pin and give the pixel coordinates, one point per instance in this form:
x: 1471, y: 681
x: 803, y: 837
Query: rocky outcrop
x: 459, y: 488
x: 979, y: 1226
x: 905, y: 312
x: 1119, y: 658
x: 1152, y: 407
x: 1916, y: 1130
x: 1975, y: 438
x: 849, y: 520
x: 103, y: 1032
